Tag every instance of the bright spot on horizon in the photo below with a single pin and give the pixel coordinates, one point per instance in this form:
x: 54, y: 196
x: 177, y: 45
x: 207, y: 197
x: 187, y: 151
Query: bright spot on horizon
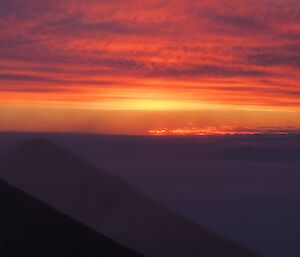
x: 220, y: 130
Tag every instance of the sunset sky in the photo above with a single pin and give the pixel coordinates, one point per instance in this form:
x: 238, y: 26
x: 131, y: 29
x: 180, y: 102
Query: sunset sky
x: 134, y: 66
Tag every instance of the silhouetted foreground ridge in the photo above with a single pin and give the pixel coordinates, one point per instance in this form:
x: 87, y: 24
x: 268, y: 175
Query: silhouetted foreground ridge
x: 29, y: 228
x: 99, y: 200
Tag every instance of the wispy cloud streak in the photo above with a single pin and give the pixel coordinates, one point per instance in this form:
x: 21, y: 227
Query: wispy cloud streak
x: 243, y: 53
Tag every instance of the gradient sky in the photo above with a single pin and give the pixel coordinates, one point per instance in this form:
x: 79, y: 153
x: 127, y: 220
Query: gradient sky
x: 122, y: 66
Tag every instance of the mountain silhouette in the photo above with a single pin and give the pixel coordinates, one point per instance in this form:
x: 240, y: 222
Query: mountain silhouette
x: 31, y: 228
x: 108, y: 205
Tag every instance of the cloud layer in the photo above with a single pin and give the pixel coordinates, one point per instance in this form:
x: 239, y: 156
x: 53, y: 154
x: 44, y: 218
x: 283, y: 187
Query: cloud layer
x: 244, y: 53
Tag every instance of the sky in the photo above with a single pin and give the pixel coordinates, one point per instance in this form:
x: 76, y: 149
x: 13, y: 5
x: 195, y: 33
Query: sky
x: 140, y: 66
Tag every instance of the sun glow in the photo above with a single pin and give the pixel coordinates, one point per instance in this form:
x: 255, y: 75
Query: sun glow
x: 197, y: 131
x: 106, y: 67
x: 148, y: 104
x: 221, y: 130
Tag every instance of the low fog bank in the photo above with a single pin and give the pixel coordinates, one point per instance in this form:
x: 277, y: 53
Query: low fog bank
x: 243, y: 187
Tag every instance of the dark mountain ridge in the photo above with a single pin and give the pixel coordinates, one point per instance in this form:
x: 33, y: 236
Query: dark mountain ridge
x: 109, y: 205
x: 29, y: 228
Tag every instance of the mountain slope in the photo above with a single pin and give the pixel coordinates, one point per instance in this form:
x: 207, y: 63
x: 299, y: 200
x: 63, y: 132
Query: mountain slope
x: 109, y: 205
x: 31, y: 228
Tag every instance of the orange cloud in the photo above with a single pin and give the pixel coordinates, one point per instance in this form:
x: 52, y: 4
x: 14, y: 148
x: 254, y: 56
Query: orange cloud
x: 159, y: 55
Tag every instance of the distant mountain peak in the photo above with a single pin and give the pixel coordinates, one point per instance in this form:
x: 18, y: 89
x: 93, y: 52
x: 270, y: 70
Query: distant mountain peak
x: 43, y: 150
x: 108, y: 204
x: 38, y: 144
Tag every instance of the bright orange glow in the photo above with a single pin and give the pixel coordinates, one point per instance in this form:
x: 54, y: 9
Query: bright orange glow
x: 227, y: 57
x: 212, y: 131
